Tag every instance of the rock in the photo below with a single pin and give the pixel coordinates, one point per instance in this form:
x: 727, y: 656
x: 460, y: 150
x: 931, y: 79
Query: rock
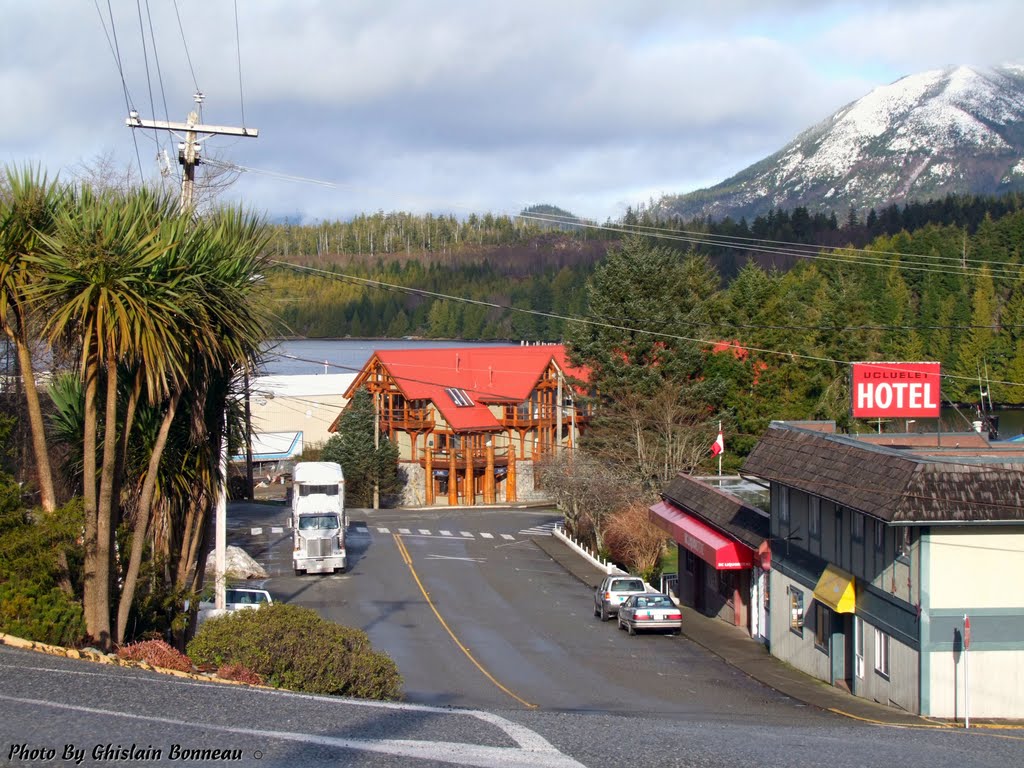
x: 237, y: 565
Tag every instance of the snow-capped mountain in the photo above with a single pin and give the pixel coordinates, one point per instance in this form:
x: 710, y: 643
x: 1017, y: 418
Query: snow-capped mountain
x: 957, y: 130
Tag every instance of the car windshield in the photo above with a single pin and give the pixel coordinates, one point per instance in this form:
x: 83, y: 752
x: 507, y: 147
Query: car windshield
x: 317, y: 522
x: 241, y: 597
x: 628, y: 585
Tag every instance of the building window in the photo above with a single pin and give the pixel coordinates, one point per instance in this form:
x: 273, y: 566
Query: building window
x: 784, y: 505
x: 689, y: 561
x: 796, y: 611
x: 879, y: 536
x: 814, y: 523
x: 904, y: 538
x: 882, y: 653
x: 821, y: 627
x: 858, y: 526
x: 858, y: 646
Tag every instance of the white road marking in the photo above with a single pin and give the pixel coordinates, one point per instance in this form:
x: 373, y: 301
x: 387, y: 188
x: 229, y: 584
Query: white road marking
x: 383, y: 530
x: 362, y: 529
x: 446, y: 557
x: 507, y: 537
x: 487, y: 535
x: 277, y: 529
x: 531, y: 751
x: 466, y: 533
x: 404, y: 530
x: 257, y: 531
x: 424, y: 532
x: 446, y: 533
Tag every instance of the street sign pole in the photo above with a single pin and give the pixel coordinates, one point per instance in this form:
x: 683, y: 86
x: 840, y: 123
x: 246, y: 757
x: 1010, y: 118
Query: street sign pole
x: 967, y: 678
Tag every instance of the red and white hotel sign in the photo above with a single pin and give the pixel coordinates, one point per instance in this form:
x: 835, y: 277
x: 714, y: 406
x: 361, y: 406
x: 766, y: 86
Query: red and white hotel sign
x: 901, y: 390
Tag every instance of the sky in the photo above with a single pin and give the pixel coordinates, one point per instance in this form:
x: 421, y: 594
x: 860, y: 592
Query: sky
x: 460, y: 106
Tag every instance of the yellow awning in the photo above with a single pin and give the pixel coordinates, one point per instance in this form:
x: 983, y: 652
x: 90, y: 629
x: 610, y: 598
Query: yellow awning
x: 835, y: 589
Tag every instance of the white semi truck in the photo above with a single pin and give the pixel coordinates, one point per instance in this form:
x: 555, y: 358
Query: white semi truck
x: 318, y: 517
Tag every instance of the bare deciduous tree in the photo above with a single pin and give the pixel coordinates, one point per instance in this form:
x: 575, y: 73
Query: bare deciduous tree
x: 634, y: 540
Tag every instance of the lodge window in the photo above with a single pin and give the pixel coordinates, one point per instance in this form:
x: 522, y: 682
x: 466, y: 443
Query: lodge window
x: 796, y: 611
x: 821, y: 627
x: 882, y: 653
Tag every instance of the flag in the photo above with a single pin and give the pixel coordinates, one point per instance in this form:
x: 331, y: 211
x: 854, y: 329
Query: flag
x: 718, y: 446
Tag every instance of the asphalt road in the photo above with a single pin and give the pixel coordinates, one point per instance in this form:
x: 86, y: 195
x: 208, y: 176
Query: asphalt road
x: 504, y: 665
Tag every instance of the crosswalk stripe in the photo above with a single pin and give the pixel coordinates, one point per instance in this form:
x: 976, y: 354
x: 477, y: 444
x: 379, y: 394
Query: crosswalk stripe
x: 487, y: 535
x: 277, y: 529
x: 257, y: 531
x: 446, y: 533
x: 362, y: 529
x: 404, y: 530
x: 466, y: 533
x: 383, y: 530
x: 424, y: 532
x: 508, y: 537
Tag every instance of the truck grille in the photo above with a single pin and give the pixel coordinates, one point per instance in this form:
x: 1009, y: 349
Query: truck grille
x: 318, y: 547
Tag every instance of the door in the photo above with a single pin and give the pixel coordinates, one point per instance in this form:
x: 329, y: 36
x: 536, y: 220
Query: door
x: 699, y: 587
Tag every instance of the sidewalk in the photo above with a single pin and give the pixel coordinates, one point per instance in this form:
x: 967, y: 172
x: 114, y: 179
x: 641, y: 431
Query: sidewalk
x: 735, y: 646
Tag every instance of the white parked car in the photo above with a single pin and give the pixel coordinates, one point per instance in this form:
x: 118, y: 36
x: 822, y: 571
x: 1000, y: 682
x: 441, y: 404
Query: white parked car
x: 235, y: 599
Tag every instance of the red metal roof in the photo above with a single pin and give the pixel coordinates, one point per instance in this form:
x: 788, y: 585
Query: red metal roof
x: 485, y: 374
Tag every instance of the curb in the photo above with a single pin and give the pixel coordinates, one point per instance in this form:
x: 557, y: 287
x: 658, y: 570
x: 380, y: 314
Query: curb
x: 99, y: 657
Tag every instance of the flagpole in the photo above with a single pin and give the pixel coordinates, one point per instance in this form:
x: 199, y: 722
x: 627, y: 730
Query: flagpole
x: 720, y: 452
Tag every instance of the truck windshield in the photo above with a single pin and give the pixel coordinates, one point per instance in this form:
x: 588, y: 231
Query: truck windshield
x: 317, y: 522
x: 309, y: 490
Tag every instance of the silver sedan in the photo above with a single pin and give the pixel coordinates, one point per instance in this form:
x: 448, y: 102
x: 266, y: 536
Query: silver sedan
x: 650, y: 611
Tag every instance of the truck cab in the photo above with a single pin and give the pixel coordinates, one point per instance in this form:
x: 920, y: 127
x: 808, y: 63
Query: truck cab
x: 318, y: 518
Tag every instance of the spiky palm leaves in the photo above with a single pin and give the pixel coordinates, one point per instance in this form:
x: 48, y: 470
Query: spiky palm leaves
x: 165, y: 312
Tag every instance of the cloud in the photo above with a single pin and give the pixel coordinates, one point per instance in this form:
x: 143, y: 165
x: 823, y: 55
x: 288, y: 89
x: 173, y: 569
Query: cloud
x: 455, y: 105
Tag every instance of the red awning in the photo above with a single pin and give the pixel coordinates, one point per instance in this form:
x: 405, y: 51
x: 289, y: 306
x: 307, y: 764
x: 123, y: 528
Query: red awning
x: 698, y: 537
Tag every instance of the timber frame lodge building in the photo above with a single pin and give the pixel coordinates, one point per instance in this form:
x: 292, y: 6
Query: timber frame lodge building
x: 470, y: 423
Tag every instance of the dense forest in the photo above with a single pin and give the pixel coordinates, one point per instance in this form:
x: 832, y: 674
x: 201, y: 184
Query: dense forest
x: 762, y: 325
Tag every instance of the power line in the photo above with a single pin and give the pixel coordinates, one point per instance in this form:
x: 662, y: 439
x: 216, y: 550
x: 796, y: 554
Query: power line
x: 188, y: 56
x: 116, y: 51
x: 594, y: 322
x: 238, y: 50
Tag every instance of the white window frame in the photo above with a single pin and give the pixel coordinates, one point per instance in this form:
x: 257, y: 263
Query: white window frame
x: 796, y: 610
x: 858, y: 647
x: 881, y: 653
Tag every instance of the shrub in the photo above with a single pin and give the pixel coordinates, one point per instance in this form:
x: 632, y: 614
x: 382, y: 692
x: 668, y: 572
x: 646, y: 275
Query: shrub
x: 39, y: 571
x: 239, y: 674
x: 156, y: 652
x: 292, y: 647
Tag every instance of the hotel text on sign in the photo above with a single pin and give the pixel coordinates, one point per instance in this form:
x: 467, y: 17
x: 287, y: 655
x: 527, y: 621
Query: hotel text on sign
x: 900, y: 390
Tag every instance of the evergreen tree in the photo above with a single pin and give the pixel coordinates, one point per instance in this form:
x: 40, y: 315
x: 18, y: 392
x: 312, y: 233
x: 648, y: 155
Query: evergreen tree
x: 363, y: 464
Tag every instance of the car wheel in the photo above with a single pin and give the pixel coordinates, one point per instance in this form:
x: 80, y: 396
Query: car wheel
x: 619, y: 623
x: 630, y: 628
x: 604, y: 613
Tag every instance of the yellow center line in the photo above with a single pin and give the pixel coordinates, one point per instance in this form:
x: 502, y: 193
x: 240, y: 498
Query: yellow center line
x: 408, y: 561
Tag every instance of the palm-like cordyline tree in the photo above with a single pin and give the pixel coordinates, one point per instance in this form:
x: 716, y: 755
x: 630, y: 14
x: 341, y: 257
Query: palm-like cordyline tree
x: 228, y: 325
x: 28, y: 204
x: 102, y: 264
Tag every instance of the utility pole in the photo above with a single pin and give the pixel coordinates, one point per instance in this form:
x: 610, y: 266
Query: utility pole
x: 189, y: 156
x: 189, y: 151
